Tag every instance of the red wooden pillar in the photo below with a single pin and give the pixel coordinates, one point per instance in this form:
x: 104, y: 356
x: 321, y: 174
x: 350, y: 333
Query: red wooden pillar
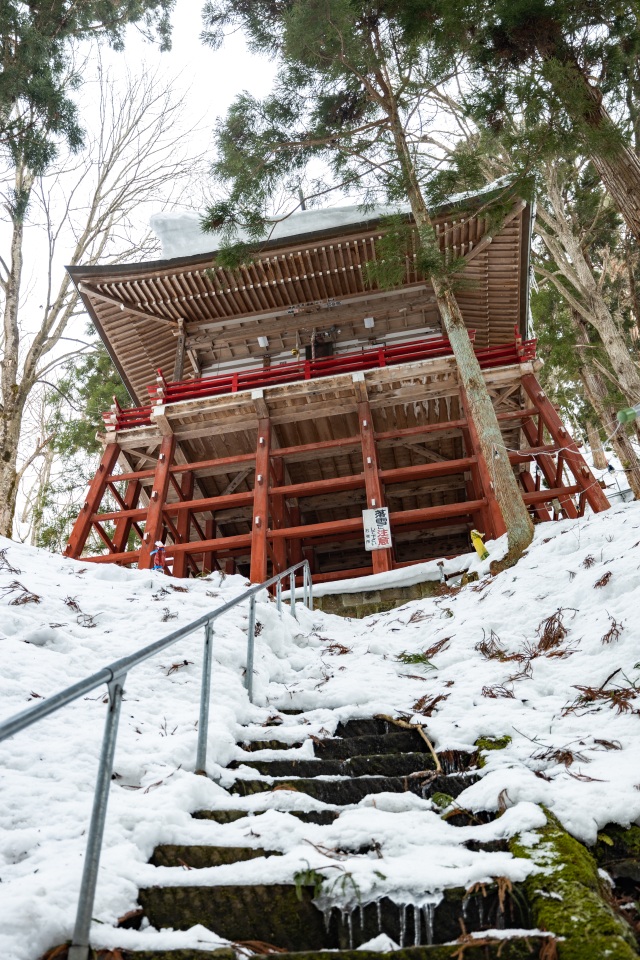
x: 82, y: 526
x: 260, y: 522
x: 124, y: 525
x: 183, y: 525
x: 573, y: 458
x: 278, y: 515
x: 153, y: 526
x: 209, y: 558
x: 497, y: 526
x: 382, y: 559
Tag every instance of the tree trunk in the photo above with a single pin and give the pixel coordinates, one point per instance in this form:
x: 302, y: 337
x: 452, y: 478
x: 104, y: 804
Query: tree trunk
x: 595, y: 443
x: 514, y: 511
x: 616, y: 163
x: 12, y: 391
x: 597, y: 395
x: 567, y: 252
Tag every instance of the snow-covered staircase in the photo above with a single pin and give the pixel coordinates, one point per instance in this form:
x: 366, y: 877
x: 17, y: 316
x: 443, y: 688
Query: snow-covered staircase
x: 365, y: 757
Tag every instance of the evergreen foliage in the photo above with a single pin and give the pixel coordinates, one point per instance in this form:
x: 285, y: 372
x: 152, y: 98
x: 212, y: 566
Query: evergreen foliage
x: 37, y: 72
x: 84, y: 392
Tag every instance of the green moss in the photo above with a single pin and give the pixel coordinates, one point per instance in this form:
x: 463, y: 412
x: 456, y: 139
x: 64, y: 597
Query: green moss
x: 441, y: 800
x: 483, y: 744
x: 616, y: 842
x: 567, y: 897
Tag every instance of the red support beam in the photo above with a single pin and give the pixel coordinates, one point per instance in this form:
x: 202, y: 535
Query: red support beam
x: 183, y: 526
x: 221, y: 544
x: 573, y: 458
x: 260, y: 521
x: 82, y: 526
x: 337, y: 527
x: 382, y: 559
x: 202, y: 465
x: 124, y: 524
x: 529, y: 486
x: 493, y: 512
x: 547, y: 466
x: 204, y: 505
x: 154, y: 524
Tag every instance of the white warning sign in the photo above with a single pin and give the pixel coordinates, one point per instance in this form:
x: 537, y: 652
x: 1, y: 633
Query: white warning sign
x: 377, y: 529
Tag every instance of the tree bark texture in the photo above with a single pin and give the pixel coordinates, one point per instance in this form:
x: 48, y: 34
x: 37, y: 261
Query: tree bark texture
x: 595, y: 443
x: 565, y: 247
x: 13, y: 396
x: 617, y: 164
x: 597, y: 394
x: 514, y: 511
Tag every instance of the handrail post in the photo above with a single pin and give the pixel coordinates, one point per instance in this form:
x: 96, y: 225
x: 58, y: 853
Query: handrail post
x: 251, y: 636
x: 279, y: 595
x: 305, y: 585
x: 292, y: 591
x: 79, y: 949
x: 205, y: 696
x: 309, y: 589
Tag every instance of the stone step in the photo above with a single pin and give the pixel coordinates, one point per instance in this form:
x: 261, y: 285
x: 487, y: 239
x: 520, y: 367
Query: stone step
x: 201, y: 856
x: 322, y: 817
x: 340, y: 748
x: 368, y: 727
x: 284, y: 916
x: 252, y: 745
x: 390, y: 765
x: 342, y: 792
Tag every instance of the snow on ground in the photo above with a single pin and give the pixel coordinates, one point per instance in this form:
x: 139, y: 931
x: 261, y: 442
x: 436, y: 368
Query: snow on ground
x: 568, y: 697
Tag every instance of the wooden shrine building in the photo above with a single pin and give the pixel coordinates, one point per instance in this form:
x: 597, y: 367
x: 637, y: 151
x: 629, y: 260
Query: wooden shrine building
x: 273, y: 403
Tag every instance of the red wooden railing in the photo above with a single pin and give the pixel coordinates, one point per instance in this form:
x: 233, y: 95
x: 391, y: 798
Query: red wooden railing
x: 162, y: 392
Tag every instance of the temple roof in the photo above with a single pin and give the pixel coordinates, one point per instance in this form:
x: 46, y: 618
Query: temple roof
x: 310, y: 274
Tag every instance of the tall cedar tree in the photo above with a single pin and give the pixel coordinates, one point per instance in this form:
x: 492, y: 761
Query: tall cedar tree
x: 349, y: 91
x: 564, y: 66
x: 36, y: 69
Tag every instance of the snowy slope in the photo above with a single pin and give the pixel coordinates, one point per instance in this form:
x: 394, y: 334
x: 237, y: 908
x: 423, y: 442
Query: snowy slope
x: 498, y: 674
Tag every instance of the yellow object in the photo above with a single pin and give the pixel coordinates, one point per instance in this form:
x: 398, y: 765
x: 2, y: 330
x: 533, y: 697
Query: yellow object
x: 476, y: 540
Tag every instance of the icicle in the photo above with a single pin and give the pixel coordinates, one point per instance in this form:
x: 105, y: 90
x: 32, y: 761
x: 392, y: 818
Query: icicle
x: 417, y: 926
x: 327, y: 918
x: 350, y: 928
x: 403, y: 923
x: 379, y: 914
x: 480, y: 913
x: 465, y: 908
x: 447, y: 401
x: 436, y: 407
x: 361, y: 916
x: 429, y: 911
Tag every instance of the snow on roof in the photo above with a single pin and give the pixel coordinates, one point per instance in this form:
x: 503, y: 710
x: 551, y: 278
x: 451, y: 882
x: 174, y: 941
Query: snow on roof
x: 181, y: 234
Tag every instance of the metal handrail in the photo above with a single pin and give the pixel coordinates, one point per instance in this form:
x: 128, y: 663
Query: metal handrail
x: 114, y: 676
